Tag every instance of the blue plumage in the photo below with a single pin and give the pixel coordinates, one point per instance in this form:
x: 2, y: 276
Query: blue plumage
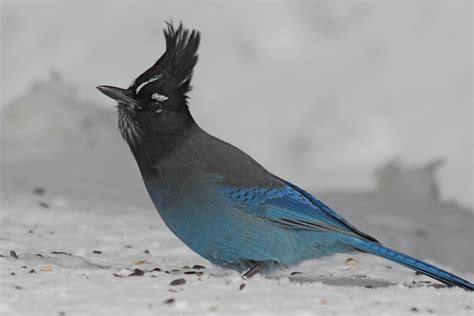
x: 238, y: 227
x: 412, y: 263
x: 217, y: 199
x: 290, y: 206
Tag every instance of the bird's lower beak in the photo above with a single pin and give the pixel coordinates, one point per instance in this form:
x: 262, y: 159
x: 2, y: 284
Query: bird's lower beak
x: 117, y: 94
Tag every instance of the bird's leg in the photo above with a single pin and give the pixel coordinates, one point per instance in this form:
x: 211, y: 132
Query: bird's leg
x: 252, y: 271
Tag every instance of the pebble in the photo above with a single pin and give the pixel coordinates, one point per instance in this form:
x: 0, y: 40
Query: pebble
x: 39, y: 191
x: 122, y: 273
x: 61, y: 253
x: 350, y: 262
x: 13, y: 254
x: 178, y: 282
x: 137, y: 272
x: 138, y: 262
x: 198, y: 266
x: 43, y: 205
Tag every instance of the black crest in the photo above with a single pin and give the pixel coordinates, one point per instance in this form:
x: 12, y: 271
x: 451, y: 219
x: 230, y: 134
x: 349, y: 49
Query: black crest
x: 170, y: 76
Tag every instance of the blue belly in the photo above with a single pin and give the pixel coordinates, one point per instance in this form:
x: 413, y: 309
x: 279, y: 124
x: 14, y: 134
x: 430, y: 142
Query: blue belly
x: 228, y: 237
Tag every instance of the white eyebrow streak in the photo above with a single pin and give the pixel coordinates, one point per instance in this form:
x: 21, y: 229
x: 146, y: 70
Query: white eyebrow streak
x: 159, y: 97
x: 154, y: 78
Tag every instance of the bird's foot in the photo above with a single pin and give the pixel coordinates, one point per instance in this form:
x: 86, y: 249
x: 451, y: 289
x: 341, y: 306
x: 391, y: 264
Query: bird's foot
x: 251, y: 272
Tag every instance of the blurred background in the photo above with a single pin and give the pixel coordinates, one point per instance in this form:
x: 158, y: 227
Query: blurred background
x: 368, y: 105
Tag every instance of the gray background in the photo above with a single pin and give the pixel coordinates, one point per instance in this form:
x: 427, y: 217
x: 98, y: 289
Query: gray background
x: 321, y: 93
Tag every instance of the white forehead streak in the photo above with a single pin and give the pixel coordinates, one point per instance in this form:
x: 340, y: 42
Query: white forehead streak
x: 159, y: 97
x: 154, y: 78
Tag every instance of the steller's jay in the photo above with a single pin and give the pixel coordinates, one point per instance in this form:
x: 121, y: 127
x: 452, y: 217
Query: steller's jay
x: 216, y: 198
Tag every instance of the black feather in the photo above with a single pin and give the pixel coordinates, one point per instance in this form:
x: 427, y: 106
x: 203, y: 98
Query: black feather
x: 174, y: 69
x: 160, y: 110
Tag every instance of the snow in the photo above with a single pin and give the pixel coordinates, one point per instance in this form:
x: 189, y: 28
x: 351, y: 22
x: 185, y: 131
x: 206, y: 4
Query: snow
x: 82, y: 256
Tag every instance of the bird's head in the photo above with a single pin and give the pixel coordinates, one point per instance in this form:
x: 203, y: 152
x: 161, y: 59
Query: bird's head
x: 155, y: 104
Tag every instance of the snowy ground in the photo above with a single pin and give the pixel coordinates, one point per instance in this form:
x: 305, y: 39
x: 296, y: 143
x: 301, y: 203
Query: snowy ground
x: 74, y: 259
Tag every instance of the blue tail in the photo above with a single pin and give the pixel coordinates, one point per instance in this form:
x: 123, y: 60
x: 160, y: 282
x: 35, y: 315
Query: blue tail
x: 412, y: 263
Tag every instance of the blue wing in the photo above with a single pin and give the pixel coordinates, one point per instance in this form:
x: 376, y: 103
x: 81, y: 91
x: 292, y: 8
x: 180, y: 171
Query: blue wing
x: 291, y: 207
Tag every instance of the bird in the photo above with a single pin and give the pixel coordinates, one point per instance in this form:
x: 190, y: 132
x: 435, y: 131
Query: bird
x: 217, y: 199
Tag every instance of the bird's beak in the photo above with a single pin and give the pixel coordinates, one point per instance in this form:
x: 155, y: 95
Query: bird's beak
x: 117, y: 94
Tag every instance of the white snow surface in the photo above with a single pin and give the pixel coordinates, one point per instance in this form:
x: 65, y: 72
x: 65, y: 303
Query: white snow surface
x: 97, y: 247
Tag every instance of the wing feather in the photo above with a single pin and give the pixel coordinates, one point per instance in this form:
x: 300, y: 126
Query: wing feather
x: 291, y: 207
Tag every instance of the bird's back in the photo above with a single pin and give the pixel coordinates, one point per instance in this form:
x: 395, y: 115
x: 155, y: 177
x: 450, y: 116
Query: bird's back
x: 203, y: 153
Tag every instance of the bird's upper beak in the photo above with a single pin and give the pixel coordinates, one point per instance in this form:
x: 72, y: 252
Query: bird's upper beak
x: 117, y: 94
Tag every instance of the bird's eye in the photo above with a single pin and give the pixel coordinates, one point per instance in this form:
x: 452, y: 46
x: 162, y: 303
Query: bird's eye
x: 156, y: 107
x: 159, y: 100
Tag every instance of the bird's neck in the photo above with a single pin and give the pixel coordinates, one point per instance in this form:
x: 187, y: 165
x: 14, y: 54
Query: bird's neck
x: 159, y: 147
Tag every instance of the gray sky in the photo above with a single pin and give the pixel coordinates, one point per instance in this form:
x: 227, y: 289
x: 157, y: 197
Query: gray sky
x: 320, y: 93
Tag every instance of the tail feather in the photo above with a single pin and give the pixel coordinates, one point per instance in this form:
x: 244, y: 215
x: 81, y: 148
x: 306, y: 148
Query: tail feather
x: 412, y: 263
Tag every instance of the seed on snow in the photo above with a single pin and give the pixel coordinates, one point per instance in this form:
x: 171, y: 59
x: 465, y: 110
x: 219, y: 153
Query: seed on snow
x: 178, y: 282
